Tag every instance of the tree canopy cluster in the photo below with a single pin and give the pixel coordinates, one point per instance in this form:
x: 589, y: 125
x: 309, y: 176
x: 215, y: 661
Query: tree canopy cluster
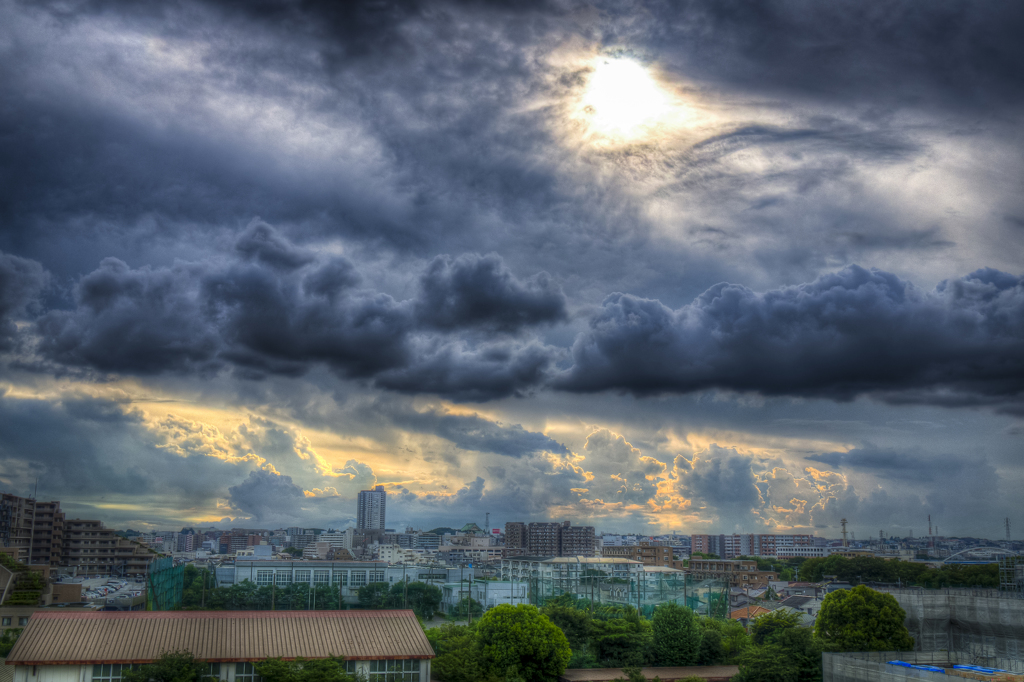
x: 875, y: 569
x: 508, y: 643
x: 777, y: 648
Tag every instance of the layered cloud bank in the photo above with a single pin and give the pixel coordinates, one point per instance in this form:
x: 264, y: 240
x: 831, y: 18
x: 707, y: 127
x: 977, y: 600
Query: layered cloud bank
x: 852, y: 332
x: 473, y: 330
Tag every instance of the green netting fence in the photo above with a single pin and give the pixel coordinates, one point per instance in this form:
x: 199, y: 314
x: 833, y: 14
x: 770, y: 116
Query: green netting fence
x: 165, y: 584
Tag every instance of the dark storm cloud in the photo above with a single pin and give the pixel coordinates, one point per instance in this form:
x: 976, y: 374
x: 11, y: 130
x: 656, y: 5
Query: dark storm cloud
x: 910, y: 466
x: 841, y: 335
x: 475, y: 433
x: 21, y: 282
x: 960, y: 52
x: 481, y: 291
x: 276, y: 308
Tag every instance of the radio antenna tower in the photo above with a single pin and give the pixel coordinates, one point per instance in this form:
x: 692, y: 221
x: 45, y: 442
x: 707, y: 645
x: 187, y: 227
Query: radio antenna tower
x: 929, y: 525
x: 845, y: 543
x: 1007, y: 528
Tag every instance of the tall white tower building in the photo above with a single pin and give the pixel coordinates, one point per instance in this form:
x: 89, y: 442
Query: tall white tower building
x: 372, y: 505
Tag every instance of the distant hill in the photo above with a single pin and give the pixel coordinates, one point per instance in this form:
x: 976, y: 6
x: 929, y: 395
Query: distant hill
x: 442, y: 531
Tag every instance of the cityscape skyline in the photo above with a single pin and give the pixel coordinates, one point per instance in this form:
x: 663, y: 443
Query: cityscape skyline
x: 688, y: 267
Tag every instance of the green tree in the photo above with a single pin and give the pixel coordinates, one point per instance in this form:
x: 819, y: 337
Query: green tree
x: 762, y: 629
x: 734, y: 637
x: 457, y: 657
x: 623, y: 641
x: 467, y: 606
x: 172, y: 666
x: 769, y: 663
x: 862, y: 619
x: 374, y: 596
x: 521, y: 642
x: 676, y: 635
x: 422, y: 598
x: 712, y: 649
x: 7, y: 640
x: 575, y: 624
x: 304, y: 670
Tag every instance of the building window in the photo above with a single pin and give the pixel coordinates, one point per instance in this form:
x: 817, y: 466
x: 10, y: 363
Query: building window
x: 407, y: 670
x: 341, y: 578
x: 321, y: 577
x: 358, y: 578
x: 350, y: 667
x: 245, y: 672
x: 283, y: 578
x: 302, y: 576
x: 6, y: 620
x: 22, y: 620
x: 264, y: 577
x: 376, y: 576
x: 212, y: 672
x: 109, y: 672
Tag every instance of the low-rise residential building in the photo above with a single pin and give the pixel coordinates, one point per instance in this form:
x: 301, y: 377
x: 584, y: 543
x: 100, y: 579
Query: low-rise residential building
x: 646, y: 553
x: 346, y: 576
x: 59, y: 646
x: 739, y: 573
x: 568, y: 568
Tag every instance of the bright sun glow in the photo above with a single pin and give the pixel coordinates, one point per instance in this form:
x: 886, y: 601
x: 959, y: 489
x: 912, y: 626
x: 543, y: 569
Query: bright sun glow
x: 623, y: 100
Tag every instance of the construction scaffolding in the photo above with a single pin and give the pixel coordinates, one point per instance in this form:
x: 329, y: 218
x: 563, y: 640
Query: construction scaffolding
x: 970, y: 622
x: 1011, y: 573
x: 165, y: 584
x: 645, y: 593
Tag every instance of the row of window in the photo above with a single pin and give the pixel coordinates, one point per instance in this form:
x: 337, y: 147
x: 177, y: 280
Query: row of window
x: 322, y: 577
x: 22, y: 621
x: 403, y: 670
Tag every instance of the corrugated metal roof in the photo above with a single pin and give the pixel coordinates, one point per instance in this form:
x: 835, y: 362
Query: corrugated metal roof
x: 141, y: 636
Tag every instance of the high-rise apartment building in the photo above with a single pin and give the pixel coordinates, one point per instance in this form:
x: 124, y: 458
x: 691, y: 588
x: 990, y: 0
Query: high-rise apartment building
x: 372, y: 508
x: 515, y: 535
x: 542, y: 538
x: 575, y: 540
x: 747, y: 544
x: 549, y: 539
x: 35, y: 529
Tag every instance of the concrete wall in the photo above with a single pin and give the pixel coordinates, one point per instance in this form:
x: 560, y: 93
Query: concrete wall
x: 979, y: 622
x: 872, y: 666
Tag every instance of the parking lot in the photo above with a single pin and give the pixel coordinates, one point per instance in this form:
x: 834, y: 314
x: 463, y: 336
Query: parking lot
x: 98, y: 588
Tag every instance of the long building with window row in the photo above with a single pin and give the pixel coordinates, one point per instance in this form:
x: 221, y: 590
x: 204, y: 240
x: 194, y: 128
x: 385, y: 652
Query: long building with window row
x: 346, y: 576
x: 381, y: 646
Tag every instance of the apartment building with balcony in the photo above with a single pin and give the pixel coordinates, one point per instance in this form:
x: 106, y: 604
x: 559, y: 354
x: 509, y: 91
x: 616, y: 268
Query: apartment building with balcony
x: 93, y: 549
x: 740, y: 573
x: 646, y: 553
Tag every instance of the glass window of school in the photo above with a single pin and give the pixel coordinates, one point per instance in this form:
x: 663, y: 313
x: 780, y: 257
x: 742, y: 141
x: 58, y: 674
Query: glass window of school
x: 358, y: 578
x: 245, y: 672
x: 403, y: 670
x: 376, y: 576
x: 109, y: 672
x: 211, y: 673
x: 341, y: 578
x: 302, y: 576
x: 321, y: 577
x: 264, y: 577
x: 283, y: 578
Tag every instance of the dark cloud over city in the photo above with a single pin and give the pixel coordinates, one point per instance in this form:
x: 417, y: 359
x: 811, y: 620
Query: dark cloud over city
x: 702, y: 265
